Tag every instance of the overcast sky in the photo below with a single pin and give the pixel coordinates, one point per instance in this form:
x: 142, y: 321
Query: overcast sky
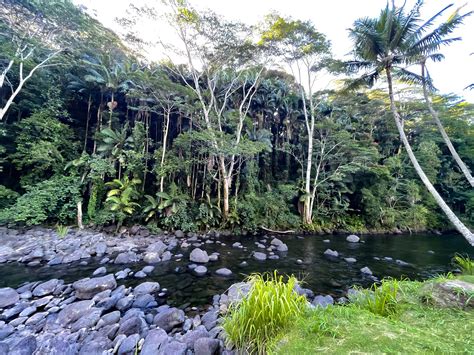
x: 331, y: 17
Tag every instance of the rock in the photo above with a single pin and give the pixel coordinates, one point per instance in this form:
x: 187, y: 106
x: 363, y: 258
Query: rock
x: 46, y: 288
x: 158, y: 247
x: 179, y: 234
x: 273, y: 257
x: 56, y: 345
x: 139, y: 275
x: 153, y: 341
x: 350, y: 260
x: 131, y: 326
x: 28, y: 311
x: 100, y: 248
x: 144, y: 301
x: 100, y: 271
x: 209, y: 320
x: 213, y: 257
x: 401, y: 262
x: 87, y: 320
x: 238, y: 291
x: 223, y: 272
x: 243, y: 264
x: 299, y: 261
x: 332, y: 253
x: 282, y: 247
x: 8, y: 297
x: 96, y: 346
x: 148, y: 269
x: 322, y: 301
x: 174, y: 348
x: 169, y: 318
x: 126, y: 258
x: 166, y: 256
x: 200, y: 270
x: 108, y: 319
x: 353, y: 238
x: 206, y: 346
x: 25, y: 346
x: 237, y: 245
x: 146, y: 288
x: 73, y: 312
x: 191, y: 337
x: 276, y: 242
x: 87, y: 288
x: 366, y: 270
x: 449, y: 293
x: 259, y: 256
x: 124, y: 303
x: 199, y: 256
x: 36, y: 318
x: 5, y: 331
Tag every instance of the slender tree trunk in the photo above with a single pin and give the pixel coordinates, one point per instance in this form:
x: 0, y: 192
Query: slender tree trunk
x: 439, y: 200
x: 111, y: 109
x: 441, y: 129
x: 163, y: 154
x: 79, y: 215
x: 89, y: 104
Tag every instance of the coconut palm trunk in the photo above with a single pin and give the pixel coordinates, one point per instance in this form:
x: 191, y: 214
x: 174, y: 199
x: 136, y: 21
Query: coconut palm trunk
x: 439, y: 200
x: 441, y: 129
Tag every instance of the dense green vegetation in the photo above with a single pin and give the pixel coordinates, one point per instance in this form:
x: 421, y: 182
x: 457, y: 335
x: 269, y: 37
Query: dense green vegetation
x: 98, y: 135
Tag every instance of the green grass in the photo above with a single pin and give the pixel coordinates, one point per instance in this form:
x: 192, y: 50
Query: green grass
x: 415, y: 328
x: 465, y: 264
x: 61, y: 230
x: 270, y: 307
x: 380, y: 299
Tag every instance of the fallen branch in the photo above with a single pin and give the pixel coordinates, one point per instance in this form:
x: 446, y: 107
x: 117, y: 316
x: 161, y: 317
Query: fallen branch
x: 277, y: 232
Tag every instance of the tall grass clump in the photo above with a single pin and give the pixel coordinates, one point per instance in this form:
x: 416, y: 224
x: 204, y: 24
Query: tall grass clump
x: 464, y: 263
x: 270, y: 306
x: 380, y: 299
x: 61, y: 230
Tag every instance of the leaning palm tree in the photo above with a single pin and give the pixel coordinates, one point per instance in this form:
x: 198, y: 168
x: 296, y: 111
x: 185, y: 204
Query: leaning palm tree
x: 435, y: 39
x: 383, y: 45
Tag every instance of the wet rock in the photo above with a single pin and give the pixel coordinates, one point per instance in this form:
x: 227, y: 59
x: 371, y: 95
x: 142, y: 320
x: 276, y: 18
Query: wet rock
x: 148, y: 269
x: 169, y: 318
x: 144, y: 301
x: 179, y: 234
x: 299, y: 261
x: 353, y: 238
x: 331, y: 253
x: 259, y: 256
x: 243, y: 264
x: 237, y: 245
x: 100, y: 271
x: 350, y: 260
x: 206, y: 346
x: 166, y: 256
x: 322, y: 301
x: 273, y: 257
x: 224, y: 272
x: 8, y: 297
x: 139, y: 275
x: 199, y: 256
x: 146, y: 288
x: 366, y: 270
x: 87, y: 288
x: 126, y: 258
x: 282, y: 248
x: 401, y: 262
x: 200, y: 270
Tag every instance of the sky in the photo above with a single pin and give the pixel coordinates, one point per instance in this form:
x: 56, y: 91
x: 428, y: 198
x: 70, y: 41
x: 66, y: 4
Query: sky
x: 331, y: 17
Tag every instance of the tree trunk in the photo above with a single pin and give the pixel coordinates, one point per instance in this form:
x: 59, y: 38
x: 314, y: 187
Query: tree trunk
x: 163, y: 154
x: 111, y: 108
x: 89, y: 104
x: 79, y: 215
x: 441, y: 129
x: 439, y: 200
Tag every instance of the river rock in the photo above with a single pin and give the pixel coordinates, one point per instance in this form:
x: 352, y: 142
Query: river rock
x: 223, y: 272
x: 153, y: 341
x: 353, y: 238
x: 87, y: 288
x: 8, y: 297
x: 259, y: 256
x: 350, y: 260
x: 100, y: 271
x: 46, y: 288
x: 146, y: 288
x: 166, y: 256
x: 74, y: 311
x: 200, y: 270
x: 169, y: 318
x: 191, y: 337
x: 173, y: 347
x: 199, y: 256
x: 179, y: 234
x: 25, y: 346
x: 129, y: 345
x: 366, y: 270
x: 332, y: 253
x: 139, y: 275
x: 282, y: 247
x: 206, y: 346
x: 52, y: 344
x: 323, y: 301
x: 127, y: 258
x: 449, y: 293
x: 158, y: 247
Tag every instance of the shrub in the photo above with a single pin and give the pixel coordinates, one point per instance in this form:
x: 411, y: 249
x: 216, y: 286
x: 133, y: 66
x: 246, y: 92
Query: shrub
x: 465, y: 264
x: 271, y: 306
x: 61, y: 230
x: 52, y: 199
x: 380, y: 299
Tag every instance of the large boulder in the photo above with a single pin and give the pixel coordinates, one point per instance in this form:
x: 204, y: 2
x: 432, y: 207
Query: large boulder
x: 8, y: 297
x: 323, y: 301
x: 158, y: 247
x: 199, y: 256
x: 449, y: 293
x: 153, y: 341
x: 46, y: 288
x: 353, y: 238
x: 88, y: 288
x: 169, y: 318
x: 127, y: 258
x: 72, y: 312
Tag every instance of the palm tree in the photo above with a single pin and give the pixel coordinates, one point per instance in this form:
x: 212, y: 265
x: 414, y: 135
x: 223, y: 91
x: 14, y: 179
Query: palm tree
x: 121, y: 198
x: 384, y: 45
x: 437, y: 38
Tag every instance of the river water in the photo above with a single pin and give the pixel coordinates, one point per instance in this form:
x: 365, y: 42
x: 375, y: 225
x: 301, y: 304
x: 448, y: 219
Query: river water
x: 426, y: 255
